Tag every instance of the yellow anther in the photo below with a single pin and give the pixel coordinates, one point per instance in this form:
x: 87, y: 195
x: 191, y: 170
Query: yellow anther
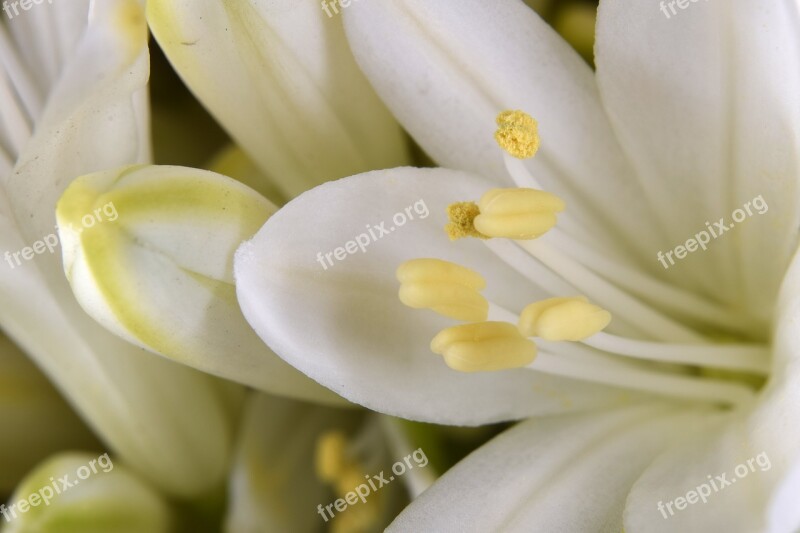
x: 563, y: 319
x: 461, y: 216
x: 517, y: 133
x: 517, y: 213
x: 331, y: 459
x: 446, y: 288
x: 483, y: 347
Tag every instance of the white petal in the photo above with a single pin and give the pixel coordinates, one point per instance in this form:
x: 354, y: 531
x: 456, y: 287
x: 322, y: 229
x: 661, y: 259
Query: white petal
x: 148, y: 251
x: 530, y: 477
x: 446, y: 69
x: 279, y: 76
x: 342, y: 324
x: 709, y: 114
x: 150, y: 411
x: 766, y: 440
x: 82, y: 492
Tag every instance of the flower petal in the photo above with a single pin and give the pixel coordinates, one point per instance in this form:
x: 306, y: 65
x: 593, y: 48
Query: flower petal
x: 280, y: 78
x: 446, y: 69
x: 526, y: 478
x: 148, y: 251
x: 710, y: 118
x: 88, y: 494
x: 148, y: 410
x: 318, y: 285
x: 758, y: 450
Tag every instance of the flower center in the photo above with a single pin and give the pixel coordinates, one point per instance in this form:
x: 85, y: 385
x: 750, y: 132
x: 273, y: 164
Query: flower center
x: 650, y: 350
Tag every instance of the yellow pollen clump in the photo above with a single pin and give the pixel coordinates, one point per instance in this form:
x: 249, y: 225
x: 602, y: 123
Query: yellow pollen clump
x: 483, y: 347
x: 336, y: 468
x: 330, y: 460
x: 563, y: 319
x: 461, y: 216
x: 517, y: 213
x: 446, y: 288
x: 517, y: 134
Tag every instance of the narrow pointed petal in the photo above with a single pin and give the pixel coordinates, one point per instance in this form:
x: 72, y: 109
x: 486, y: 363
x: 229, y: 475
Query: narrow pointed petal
x: 280, y: 78
x: 37, y: 422
x: 149, y: 411
x: 148, y: 251
x: 757, y: 452
x: 711, y: 121
x: 524, y: 479
x: 82, y: 492
x: 329, y: 306
x: 446, y: 69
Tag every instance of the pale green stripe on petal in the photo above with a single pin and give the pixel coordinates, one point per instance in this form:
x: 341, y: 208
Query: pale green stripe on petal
x: 156, y: 268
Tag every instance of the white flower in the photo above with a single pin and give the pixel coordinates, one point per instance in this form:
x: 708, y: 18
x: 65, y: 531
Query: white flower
x: 687, y: 120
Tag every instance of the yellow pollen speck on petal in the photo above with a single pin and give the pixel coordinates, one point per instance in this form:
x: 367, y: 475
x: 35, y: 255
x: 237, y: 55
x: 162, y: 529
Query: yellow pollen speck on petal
x: 563, y: 319
x: 517, y: 133
x: 484, y: 347
x: 330, y: 458
x: 446, y: 288
x: 131, y: 25
x: 517, y: 213
x: 462, y: 216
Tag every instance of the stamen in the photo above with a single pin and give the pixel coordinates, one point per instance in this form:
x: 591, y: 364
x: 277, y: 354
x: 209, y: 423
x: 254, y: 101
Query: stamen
x: 330, y: 460
x: 563, y: 319
x: 462, y: 216
x: 517, y: 213
x: 517, y: 134
x: 446, y: 288
x: 484, y: 347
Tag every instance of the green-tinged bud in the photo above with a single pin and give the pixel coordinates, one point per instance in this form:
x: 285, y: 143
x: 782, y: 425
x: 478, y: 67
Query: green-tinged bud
x: 37, y: 422
x: 148, y: 251
x: 83, y: 493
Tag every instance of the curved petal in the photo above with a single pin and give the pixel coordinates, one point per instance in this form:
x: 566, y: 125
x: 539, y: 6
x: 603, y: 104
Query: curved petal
x: 148, y: 410
x: 711, y: 120
x: 446, y: 69
x: 757, y: 450
x: 81, y: 492
x: 329, y: 305
x: 148, y: 252
x: 528, y: 478
x: 279, y: 76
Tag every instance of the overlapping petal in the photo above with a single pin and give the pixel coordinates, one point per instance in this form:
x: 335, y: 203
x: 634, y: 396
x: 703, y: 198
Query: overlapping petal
x: 766, y: 440
x: 148, y: 252
x: 148, y: 410
x: 704, y: 101
x: 280, y: 78
x: 532, y: 477
x: 446, y: 69
x: 330, y: 306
